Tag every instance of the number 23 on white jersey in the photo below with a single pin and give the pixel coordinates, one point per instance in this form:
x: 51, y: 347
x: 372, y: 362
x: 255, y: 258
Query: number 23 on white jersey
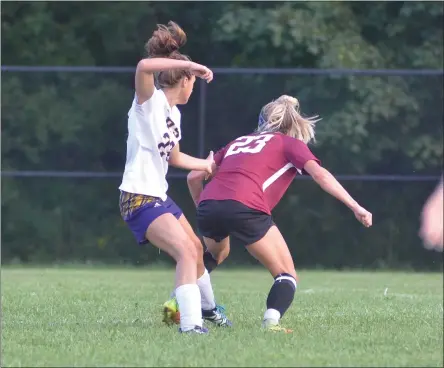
x: 249, y: 144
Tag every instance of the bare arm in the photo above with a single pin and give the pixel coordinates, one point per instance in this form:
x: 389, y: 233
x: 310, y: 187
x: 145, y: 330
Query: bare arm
x: 437, y: 194
x: 146, y: 68
x: 183, y: 161
x: 195, y: 181
x: 144, y: 74
x: 432, y: 219
x: 329, y: 183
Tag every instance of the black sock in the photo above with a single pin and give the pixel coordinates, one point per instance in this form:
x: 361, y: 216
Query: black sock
x: 209, y: 262
x: 282, y: 293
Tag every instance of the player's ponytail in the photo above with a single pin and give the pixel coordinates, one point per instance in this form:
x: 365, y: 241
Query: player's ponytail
x: 165, y: 43
x: 283, y: 115
x: 166, y: 40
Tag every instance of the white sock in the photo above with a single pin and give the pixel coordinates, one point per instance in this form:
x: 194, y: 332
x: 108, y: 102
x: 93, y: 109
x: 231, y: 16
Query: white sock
x: 206, y: 291
x: 188, y: 298
x: 273, y: 315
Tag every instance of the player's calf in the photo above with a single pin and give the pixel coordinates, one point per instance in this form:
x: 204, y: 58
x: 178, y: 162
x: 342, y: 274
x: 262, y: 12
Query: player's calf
x: 279, y: 299
x: 209, y: 262
x: 214, y: 258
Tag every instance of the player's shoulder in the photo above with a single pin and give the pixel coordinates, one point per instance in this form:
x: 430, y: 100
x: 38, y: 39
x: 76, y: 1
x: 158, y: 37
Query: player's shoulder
x: 292, y: 141
x: 274, y: 138
x: 158, y: 100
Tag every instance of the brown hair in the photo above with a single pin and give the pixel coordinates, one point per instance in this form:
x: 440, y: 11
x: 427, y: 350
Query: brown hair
x: 283, y: 115
x: 166, y: 42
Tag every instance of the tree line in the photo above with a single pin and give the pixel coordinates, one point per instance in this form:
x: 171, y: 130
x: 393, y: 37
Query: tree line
x: 371, y: 124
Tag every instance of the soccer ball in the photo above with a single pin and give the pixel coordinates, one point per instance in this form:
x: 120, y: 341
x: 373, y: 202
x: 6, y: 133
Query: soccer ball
x: 171, y: 314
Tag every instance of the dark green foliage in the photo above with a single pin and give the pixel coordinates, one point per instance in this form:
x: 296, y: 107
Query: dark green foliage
x: 77, y: 121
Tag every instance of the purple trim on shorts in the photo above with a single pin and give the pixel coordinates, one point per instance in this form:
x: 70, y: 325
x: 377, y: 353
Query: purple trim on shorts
x: 144, y: 216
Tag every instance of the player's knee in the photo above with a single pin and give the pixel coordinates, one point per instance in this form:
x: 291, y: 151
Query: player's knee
x: 184, y: 250
x: 198, y: 247
x: 187, y: 257
x: 283, y: 269
x: 191, y: 251
x: 287, y: 267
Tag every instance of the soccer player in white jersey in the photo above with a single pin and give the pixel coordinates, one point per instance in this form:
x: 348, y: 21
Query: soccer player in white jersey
x: 153, y: 144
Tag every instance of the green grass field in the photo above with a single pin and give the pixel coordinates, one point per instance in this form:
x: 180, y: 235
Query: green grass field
x: 111, y: 317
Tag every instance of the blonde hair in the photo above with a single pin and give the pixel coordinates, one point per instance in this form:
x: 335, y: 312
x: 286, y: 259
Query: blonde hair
x: 283, y: 116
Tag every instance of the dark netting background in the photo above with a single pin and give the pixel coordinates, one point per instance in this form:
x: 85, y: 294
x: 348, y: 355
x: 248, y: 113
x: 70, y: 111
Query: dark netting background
x: 371, y: 125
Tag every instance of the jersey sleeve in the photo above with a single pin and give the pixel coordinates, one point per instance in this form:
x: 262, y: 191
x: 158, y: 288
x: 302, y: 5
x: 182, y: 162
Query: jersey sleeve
x: 176, y: 117
x: 298, y: 153
x: 143, y: 132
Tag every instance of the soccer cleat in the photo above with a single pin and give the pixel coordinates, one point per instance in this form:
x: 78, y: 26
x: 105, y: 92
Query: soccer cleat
x: 217, y: 316
x: 196, y: 330
x: 171, y: 314
x: 270, y: 325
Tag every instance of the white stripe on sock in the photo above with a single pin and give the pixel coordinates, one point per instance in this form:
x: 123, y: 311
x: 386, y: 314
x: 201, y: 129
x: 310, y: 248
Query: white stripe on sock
x: 280, y: 278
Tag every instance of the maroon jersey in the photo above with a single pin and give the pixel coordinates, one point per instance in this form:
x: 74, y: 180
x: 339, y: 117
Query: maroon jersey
x: 257, y: 169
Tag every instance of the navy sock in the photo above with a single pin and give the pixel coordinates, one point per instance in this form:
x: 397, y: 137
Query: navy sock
x: 282, y: 293
x: 209, y: 262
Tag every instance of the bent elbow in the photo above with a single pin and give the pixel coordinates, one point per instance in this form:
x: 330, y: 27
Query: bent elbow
x: 144, y: 66
x: 190, y: 177
x: 141, y: 65
x: 194, y: 176
x: 321, y: 176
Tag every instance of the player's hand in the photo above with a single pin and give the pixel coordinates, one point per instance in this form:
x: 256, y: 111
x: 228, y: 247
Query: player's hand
x: 210, y: 162
x: 363, y: 216
x: 201, y: 72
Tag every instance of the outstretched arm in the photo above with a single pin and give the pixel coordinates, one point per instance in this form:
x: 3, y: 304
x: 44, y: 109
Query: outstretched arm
x: 329, y: 183
x: 301, y: 157
x: 183, y: 161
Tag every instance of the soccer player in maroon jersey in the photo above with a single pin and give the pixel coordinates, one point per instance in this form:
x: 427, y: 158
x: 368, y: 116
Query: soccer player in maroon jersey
x: 253, y: 173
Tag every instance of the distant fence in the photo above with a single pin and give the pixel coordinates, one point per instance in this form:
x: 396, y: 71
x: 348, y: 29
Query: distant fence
x: 202, y: 110
x: 62, y: 127
x: 182, y: 175
x: 303, y: 71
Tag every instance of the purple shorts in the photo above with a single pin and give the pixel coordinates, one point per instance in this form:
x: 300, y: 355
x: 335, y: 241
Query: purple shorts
x: 139, y: 211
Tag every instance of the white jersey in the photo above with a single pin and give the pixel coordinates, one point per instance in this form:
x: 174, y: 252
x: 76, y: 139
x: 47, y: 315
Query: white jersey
x: 153, y: 131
